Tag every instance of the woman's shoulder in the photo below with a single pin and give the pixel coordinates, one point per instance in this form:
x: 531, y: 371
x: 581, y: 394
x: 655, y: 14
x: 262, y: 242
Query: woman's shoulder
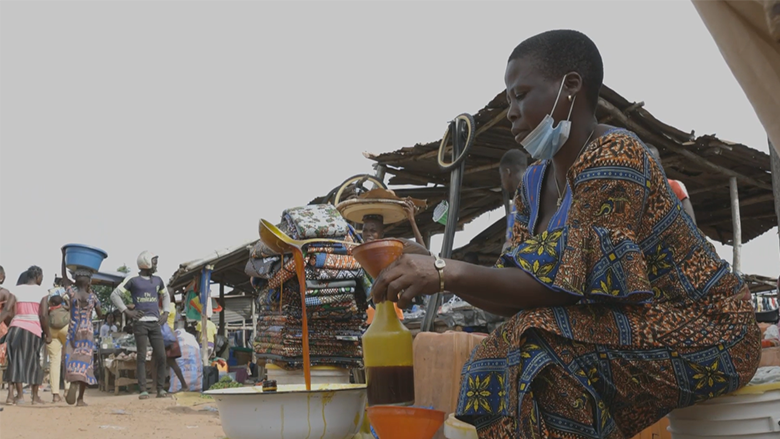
x: 614, y: 148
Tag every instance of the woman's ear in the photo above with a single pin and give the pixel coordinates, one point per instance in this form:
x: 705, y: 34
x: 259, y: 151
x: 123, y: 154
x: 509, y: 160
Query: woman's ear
x: 572, y: 85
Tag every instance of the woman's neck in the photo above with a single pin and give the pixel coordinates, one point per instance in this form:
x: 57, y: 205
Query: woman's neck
x: 579, y: 136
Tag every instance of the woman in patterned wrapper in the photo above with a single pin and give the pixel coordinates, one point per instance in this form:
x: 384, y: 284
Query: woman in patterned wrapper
x: 621, y: 311
x: 80, y: 345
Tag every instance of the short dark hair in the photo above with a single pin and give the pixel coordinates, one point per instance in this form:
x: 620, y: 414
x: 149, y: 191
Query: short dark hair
x: 514, y: 158
x: 558, y: 52
x: 33, y: 272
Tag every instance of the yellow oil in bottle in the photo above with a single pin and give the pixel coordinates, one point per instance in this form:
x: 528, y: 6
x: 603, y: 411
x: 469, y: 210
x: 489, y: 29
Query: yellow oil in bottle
x: 388, y: 358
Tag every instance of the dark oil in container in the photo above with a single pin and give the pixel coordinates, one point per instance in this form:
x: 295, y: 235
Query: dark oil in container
x: 390, y: 385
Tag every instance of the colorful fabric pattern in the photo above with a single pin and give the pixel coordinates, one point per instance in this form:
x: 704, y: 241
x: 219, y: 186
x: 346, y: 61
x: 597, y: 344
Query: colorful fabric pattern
x: 326, y: 274
x: 660, y: 323
x: 333, y: 261
x: 315, y: 221
x: 284, y: 274
x: 3, y: 331
x: 80, y: 344
x: 24, y: 357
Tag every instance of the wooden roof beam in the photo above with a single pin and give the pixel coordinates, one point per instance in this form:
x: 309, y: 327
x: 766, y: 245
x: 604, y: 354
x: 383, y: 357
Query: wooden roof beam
x: 698, y: 160
x: 742, y: 203
x: 723, y: 220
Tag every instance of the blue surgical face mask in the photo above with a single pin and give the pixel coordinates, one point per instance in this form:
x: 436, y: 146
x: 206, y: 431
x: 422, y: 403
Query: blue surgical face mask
x: 545, y: 140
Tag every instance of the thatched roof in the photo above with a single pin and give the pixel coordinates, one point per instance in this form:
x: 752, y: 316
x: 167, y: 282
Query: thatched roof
x: 703, y: 163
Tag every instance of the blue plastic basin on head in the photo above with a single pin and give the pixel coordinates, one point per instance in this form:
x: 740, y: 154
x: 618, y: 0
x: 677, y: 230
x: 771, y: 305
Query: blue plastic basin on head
x: 83, y: 256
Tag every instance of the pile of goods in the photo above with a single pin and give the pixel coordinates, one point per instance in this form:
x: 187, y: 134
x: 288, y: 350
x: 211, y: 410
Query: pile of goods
x: 335, y: 293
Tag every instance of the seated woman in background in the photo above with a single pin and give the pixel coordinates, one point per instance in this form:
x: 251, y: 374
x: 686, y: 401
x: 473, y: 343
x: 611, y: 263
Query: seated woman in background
x: 621, y: 311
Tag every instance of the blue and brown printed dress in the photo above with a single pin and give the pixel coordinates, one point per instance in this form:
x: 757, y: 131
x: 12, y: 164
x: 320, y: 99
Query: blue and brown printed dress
x: 660, y: 323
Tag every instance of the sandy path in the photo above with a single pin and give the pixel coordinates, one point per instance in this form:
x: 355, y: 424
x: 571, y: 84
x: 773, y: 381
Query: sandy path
x: 152, y: 418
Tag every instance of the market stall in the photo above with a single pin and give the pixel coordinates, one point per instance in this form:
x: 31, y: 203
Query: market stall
x: 335, y: 296
x: 730, y: 187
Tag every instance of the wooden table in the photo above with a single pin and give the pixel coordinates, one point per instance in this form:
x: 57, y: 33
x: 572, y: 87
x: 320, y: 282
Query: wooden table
x: 115, y: 377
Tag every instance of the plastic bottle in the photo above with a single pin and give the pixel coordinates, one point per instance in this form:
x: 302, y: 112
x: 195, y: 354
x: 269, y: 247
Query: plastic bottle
x: 388, y: 358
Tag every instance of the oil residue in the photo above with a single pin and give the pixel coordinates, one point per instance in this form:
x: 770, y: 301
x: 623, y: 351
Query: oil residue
x: 327, y: 397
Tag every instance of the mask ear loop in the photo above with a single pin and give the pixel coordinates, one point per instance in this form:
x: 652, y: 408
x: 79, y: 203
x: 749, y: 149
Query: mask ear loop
x: 572, y: 107
x: 560, y: 90
x: 572, y: 99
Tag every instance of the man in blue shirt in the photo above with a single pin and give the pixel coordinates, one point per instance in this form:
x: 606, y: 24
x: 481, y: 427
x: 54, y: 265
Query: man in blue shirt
x: 145, y: 290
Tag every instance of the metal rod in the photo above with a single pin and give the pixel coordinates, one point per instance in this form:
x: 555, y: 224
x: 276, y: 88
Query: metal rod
x: 380, y: 174
x: 735, y: 219
x: 452, y: 219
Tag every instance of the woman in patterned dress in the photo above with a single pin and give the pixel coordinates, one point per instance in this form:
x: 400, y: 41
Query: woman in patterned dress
x: 621, y: 310
x: 80, y: 346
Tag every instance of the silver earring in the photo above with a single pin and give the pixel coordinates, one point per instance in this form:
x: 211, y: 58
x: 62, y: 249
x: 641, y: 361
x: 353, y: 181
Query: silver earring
x: 570, y: 98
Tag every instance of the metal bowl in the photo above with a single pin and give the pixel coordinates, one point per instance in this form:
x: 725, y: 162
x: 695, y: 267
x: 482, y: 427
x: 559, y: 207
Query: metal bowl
x: 328, y: 411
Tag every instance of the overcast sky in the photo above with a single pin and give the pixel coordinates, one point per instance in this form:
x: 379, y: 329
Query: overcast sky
x: 176, y: 126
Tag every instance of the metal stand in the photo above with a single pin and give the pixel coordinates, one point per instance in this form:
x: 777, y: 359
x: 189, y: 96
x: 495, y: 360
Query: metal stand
x: 456, y: 176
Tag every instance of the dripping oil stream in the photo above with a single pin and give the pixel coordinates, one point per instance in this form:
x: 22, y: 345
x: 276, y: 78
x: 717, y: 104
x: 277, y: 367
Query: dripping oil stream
x: 299, y: 270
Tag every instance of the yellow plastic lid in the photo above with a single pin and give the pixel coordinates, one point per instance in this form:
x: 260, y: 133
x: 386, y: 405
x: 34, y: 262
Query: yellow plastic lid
x: 758, y: 389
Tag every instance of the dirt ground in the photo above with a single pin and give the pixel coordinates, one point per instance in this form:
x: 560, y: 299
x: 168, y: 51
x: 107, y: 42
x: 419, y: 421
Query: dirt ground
x: 116, y: 417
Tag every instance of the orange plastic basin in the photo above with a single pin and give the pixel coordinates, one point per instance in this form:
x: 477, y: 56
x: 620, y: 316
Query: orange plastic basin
x: 394, y: 422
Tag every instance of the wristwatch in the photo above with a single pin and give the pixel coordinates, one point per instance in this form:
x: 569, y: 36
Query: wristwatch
x: 440, y: 264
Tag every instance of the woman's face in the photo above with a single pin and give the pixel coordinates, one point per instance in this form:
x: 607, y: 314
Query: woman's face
x: 373, y: 230
x: 531, y: 96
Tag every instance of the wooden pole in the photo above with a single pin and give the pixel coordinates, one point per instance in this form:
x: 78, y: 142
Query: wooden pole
x: 254, y: 322
x: 205, y: 296
x: 222, y: 313
x: 775, y: 179
x: 737, y: 235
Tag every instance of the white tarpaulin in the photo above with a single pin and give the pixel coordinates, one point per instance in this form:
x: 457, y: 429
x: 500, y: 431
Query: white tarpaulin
x: 747, y: 33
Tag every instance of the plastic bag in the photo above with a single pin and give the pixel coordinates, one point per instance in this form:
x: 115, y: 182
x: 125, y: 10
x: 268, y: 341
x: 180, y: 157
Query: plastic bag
x: 771, y: 337
x: 190, y: 364
x: 169, y: 337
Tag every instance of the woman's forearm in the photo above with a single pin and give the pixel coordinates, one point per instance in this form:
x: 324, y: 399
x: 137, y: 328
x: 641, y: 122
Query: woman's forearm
x: 512, y: 289
x: 417, y: 235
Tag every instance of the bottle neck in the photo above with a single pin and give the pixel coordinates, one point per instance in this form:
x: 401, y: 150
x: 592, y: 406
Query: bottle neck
x: 386, y: 316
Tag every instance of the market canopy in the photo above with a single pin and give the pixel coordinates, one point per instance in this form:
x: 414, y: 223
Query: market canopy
x: 228, y: 269
x: 704, y: 163
x: 747, y: 33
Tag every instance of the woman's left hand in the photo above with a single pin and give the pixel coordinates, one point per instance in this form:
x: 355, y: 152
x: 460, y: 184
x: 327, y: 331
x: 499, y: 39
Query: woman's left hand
x: 406, y: 278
